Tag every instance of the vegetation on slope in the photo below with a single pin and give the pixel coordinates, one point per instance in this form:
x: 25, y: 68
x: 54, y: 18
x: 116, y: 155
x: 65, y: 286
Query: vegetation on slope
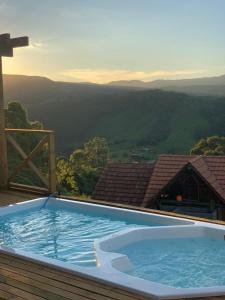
x: 213, y: 145
x: 139, y: 124
x: 78, y: 173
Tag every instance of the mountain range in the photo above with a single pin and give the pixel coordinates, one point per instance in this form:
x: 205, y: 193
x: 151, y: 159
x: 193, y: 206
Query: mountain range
x: 197, y: 86
x: 134, y: 120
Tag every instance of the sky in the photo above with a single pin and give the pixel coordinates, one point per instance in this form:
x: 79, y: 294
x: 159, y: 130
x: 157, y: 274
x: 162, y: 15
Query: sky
x: 106, y: 40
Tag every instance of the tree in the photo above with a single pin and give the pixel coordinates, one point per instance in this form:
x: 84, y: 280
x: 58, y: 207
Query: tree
x: 65, y: 178
x: 94, y: 154
x: 214, y: 145
x: 80, y: 172
x: 17, y: 117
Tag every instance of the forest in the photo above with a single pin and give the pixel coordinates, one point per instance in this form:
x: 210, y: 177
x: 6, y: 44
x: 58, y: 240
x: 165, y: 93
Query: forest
x: 136, y: 123
x: 78, y: 172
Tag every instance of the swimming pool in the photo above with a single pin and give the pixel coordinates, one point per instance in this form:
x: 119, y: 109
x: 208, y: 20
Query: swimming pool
x: 144, y: 252
x: 63, y: 233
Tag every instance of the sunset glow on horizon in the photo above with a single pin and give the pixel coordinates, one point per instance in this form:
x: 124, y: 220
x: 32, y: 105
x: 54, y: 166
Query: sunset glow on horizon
x: 100, y: 42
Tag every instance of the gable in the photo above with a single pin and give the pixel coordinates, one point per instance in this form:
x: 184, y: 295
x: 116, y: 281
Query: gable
x: 210, y: 168
x: 166, y: 168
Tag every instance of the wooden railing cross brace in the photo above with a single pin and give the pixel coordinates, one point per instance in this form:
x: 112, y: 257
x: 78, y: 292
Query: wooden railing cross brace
x: 27, y: 158
x: 50, y: 182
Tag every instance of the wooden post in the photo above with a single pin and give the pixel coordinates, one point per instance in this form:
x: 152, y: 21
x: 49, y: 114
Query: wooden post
x: 6, y: 49
x: 3, y: 143
x: 52, y: 163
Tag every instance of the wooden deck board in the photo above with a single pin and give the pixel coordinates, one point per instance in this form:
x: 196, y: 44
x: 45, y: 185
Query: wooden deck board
x: 24, y: 279
x: 43, y: 282
x: 10, y: 197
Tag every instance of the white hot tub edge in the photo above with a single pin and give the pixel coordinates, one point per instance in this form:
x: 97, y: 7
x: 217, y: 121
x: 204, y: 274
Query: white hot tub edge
x: 115, y: 263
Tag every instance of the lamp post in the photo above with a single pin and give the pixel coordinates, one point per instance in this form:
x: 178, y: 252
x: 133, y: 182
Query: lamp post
x: 6, y: 49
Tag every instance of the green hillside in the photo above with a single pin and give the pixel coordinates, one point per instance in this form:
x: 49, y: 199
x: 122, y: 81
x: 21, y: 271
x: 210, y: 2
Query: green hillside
x: 141, y: 123
x: 153, y: 122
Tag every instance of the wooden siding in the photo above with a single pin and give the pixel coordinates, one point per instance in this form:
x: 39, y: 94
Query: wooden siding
x: 23, y: 279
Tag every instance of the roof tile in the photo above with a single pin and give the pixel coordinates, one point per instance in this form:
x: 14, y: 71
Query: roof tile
x: 210, y: 168
x: 138, y: 184
x: 124, y: 183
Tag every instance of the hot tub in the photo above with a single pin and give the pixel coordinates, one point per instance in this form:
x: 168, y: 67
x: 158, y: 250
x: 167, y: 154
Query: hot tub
x: 171, y: 262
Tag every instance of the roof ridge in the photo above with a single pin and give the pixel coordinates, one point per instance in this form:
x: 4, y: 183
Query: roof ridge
x: 146, y: 198
x: 179, y: 155
x: 132, y: 163
x: 194, y: 159
x: 192, y: 162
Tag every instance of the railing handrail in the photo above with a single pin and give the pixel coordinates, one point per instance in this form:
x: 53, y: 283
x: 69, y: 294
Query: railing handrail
x: 28, y: 130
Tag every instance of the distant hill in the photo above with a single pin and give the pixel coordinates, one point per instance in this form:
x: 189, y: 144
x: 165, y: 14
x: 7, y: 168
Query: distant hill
x: 134, y: 121
x: 199, y: 86
x: 32, y: 90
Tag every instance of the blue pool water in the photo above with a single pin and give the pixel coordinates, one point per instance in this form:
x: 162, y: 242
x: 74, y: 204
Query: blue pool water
x: 181, y: 262
x: 63, y: 234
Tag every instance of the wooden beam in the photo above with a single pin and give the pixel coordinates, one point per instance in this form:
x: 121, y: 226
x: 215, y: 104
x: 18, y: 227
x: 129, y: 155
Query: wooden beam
x: 4, y: 37
x: 7, y: 44
x: 3, y: 144
x: 27, y: 158
x: 28, y: 188
x: 5, y: 47
x: 25, y: 130
x: 52, y: 163
x: 19, y: 42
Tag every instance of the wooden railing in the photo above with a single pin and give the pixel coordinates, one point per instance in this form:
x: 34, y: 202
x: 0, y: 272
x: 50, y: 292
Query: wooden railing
x: 49, y: 181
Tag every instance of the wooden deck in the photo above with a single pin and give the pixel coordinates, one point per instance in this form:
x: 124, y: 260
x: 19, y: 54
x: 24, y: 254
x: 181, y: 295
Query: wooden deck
x: 23, y: 279
x: 10, y: 197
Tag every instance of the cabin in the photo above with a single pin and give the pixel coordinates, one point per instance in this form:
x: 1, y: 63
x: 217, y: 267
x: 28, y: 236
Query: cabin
x: 193, y: 185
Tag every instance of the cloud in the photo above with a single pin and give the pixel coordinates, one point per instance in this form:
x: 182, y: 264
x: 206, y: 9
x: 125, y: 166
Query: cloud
x: 108, y: 75
x: 44, y: 45
x: 36, y: 46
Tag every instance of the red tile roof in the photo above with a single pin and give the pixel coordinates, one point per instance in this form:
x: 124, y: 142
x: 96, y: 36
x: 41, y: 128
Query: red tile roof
x: 166, y: 168
x: 141, y: 183
x: 210, y: 168
x: 124, y: 183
